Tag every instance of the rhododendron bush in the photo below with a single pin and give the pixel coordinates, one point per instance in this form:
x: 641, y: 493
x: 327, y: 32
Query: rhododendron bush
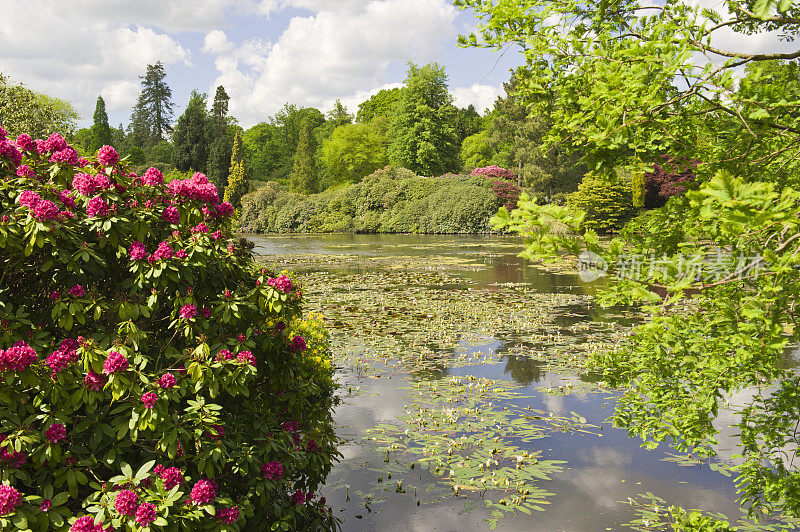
x: 148, y: 378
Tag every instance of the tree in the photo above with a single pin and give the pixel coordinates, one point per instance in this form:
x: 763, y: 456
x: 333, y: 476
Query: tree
x: 23, y: 110
x: 423, y: 137
x: 384, y: 103
x: 730, y: 336
x: 190, y: 139
x: 353, y: 151
x: 304, y: 171
x: 101, y: 131
x: 238, y: 185
x: 219, y: 140
x: 476, y: 151
x: 155, y: 101
x: 261, y: 151
x: 339, y: 116
x: 467, y: 122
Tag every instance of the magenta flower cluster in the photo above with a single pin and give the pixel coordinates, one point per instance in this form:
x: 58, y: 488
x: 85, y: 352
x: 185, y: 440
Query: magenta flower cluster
x: 137, y: 251
x: 149, y: 399
x: 56, y: 433
x: 66, y: 354
x: 43, y: 210
x: 86, y: 524
x: 97, y: 206
x: 152, y: 177
x: 17, y: 358
x: 125, y: 502
x: 115, y: 363
x: 228, y: 516
x: 172, y: 477
x: 10, y: 498
x: 272, y: 470
x: 204, y: 491
x: 188, y: 312
x: 247, y: 357
x: 167, y: 381
x: 146, y: 514
x: 196, y: 187
x: 94, y: 381
x: 298, y: 344
x: 107, y: 156
x: 282, y: 283
x: 495, y: 171
x: 87, y: 184
x: 171, y: 215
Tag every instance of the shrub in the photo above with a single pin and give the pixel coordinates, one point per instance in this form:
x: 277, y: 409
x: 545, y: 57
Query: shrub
x: 669, y: 179
x: 147, y: 375
x: 607, y: 204
x: 496, y: 172
x: 507, y: 193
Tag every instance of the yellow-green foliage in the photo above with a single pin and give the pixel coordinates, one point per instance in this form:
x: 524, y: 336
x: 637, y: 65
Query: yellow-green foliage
x: 637, y: 189
x: 238, y: 185
x: 607, y: 203
x: 316, y: 359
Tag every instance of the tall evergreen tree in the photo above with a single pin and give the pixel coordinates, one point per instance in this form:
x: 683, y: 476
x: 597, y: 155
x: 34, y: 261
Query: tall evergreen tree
x: 219, y: 140
x: 101, y: 131
x: 238, y: 185
x: 190, y: 139
x: 304, y: 170
x: 156, y: 100
x: 423, y: 135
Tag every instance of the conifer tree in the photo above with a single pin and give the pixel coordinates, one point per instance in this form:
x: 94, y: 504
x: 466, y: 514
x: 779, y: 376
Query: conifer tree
x: 101, y: 131
x: 219, y: 140
x: 190, y: 141
x: 304, y: 171
x: 238, y: 185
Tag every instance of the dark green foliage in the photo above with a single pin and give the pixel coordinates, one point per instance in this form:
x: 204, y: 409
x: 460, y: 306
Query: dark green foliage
x: 608, y: 205
x: 384, y: 104
x: 262, y: 151
x: 304, y: 170
x: 423, y: 135
x: 467, y: 122
x: 190, y: 141
x: 155, y: 101
x: 101, y: 132
x: 391, y: 200
x: 219, y: 140
x: 238, y: 184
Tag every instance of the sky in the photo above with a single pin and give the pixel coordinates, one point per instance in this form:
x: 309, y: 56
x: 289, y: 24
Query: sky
x: 264, y: 52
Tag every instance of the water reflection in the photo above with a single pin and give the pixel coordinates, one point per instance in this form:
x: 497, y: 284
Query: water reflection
x: 523, y: 369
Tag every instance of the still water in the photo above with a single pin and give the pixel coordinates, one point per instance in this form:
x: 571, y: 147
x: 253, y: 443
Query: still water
x: 406, y: 311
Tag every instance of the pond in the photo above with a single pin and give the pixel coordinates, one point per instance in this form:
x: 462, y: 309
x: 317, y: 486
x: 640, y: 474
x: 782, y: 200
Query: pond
x: 462, y: 407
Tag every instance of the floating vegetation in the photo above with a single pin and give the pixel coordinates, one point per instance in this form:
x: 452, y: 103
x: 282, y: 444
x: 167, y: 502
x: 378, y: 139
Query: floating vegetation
x: 655, y: 514
x: 463, y: 430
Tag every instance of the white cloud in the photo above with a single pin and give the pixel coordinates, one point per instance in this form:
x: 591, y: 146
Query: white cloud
x: 216, y: 42
x: 481, y: 96
x: 335, y: 53
x: 85, y: 49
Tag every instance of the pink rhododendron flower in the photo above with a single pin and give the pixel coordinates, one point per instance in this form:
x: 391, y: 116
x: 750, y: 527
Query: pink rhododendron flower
x: 171, y: 215
x: 231, y: 248
x: 86, y: 524
x: 228, y: 516
x: 125, y: 503
x: 94, y: 381
x: 206, y: 312
x: 29, y: 199
x: 164, y: 251
x: 311, y: 446
x: 149, y: 399
x: 145, y: 514
x: 66, y: 156
x: 227, y: 293
x: 172, y: 477
x: 55, y: 433
x: 55, y: 142
x: 66, y: 199
x: 272, y: 470
x: 282, y: 283
x: 45, y: 505
x: 248, y: 357
x: 188, y: 312
x: 152, y: 177
x: 224, y: 209
x: 196, y: 187
x: 25, y: 171
x: 298, y: 344
x: 167, y: 381
x: 97, y: 207
x: 181, y: 254
x: 298, y: 497
x: 25, y: 142
x: 9, y: 151
x: 66, y: 354
x: 224, y: 355
x: 10, y: 498
x: 137, y: 251
x: 45, y: 210
x: 88, y: 184
x: 55, y: 295
x: 107, y: 156
x: 77, y: 291
x: 17, y: 358
x: 216, y: 235
x: 200, y: 228
x: 115, y: 362
x: 204, y: 491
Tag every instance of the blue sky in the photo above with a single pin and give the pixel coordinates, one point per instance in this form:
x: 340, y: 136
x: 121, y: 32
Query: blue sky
x: 265, y: 52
